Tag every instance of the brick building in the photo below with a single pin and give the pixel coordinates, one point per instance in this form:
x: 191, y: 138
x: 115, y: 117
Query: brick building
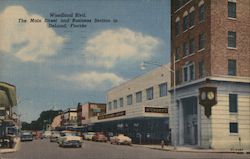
x: 210, y: 47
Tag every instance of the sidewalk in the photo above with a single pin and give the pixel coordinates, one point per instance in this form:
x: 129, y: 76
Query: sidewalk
x: 16, y: 147
x: 192, y: 149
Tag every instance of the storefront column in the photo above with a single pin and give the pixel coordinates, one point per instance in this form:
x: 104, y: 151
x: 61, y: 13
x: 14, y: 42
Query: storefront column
x: 181, y: 124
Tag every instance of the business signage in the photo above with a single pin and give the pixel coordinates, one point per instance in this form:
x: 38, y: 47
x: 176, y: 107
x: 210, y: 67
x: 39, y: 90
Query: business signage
x: 156, y: 110
x: 113, y: 115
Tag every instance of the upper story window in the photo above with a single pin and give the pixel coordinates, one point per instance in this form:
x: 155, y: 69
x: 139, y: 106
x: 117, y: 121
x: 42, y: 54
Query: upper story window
x: 138, y: 97
x: 202, y: 12
x: 185, y: 22
x: 177, y: 53
x: 121, y: 102
x: 191, y: 46
x: 232, y: 67
x: 177, y: 76
x: 231, y: 9
x: 129, y: 99
x: 115, y: 104
x: 191, y: 17
x: 110, y: 105
x: 188, y: 72
x: 201, y: 69
x: 185, y: 48
x: 232, y: 39
x: 233, y: 103
x: 202, y: 41
x: 150, y: 93
x: 177, y: 26
x: 163, y: 89
x: 233, y: 127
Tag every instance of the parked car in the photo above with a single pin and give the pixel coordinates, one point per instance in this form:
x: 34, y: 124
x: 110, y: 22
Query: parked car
x: 70, y: 140
x: 26, y: 136
x: 89, y: 135
x: 54, y: 136
x: 47, y: 134
x: 121, y: 139
x: 100, y: 137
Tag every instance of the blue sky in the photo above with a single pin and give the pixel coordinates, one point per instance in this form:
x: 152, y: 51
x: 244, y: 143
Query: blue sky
x: 58, y: 67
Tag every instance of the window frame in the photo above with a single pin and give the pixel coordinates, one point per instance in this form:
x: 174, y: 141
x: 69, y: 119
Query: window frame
x: 202, y: 13
x: 115, y: 104
x: 233, y: 103
x: 202, y: 41
x: 121, y: 102
x: 188, y: 74
x: 233, y: 130
x: 138, y: 97
x: 129, y: 102
x: 185, y: 23
x: 148, y: 90
x: 110, y: 105
x: 230, y: 71
x: 231, y: 39
x: 163, y: 91
x: 231, y: 10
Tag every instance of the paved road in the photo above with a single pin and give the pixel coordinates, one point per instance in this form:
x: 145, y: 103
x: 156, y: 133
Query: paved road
x: 43, y: 149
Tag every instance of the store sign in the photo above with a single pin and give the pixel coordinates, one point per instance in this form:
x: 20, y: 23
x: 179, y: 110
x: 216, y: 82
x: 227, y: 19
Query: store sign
x: 156, y: 110
x: 113, y: 115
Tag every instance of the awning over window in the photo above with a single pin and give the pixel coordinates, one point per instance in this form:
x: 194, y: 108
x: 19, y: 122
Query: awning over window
x: 7, y: 95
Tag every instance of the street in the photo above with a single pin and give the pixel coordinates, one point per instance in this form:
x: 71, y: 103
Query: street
x: 43, y: 149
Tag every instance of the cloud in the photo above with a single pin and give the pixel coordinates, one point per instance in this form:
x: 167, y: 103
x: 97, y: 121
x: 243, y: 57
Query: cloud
x: 27, y: 41
x: 112, y: 46
x: 93, y: 80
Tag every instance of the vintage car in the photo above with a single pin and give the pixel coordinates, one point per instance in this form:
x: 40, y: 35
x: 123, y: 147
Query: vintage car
x: 121, y: 139
x: 71, y: 141
x: 100, y: 137
x: 54, y: 136
x: 26, y: 136
x: 89, y: 135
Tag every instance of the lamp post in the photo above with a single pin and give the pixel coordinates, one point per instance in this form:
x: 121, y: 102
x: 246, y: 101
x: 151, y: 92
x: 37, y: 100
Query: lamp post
x: 174, y: 89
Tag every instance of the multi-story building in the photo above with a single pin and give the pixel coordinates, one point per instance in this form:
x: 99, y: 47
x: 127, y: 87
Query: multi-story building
x: 138, y: 108
x: 69, y: 118
x: 56, y: 123
x: 210, y: 49
x: 89, y: 110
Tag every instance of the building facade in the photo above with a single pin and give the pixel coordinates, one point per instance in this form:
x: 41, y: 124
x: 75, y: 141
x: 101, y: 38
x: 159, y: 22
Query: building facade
x: 69, y: 118
x: 138, y: 108
x: 210, y: 49
x: 89, y: 110
x: 56, y: 123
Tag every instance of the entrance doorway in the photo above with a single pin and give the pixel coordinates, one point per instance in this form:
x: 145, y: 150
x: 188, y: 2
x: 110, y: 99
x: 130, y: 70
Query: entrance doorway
x: 190, y: 120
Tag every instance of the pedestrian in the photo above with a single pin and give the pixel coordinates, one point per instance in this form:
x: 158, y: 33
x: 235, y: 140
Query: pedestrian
x: 162, y: 144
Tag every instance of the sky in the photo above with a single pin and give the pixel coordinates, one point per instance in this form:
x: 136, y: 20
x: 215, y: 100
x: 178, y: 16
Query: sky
x: 58, y: 62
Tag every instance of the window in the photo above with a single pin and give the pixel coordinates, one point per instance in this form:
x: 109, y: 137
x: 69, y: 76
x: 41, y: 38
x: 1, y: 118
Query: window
x: 185, y: 23
x: 233, y: 103
x: 191, y: 18
x: 201, y: 69
x: 129, y: 99
x: 115, y: 104
x: 185, y: 48
x: 202, y: 13
x: 188, y: 72
x: 201, y: 41
x: 110, y: 105
x: 232, y: 39
x: 121, y: 102
x: 191, y: 46
x: 232, y: 9
x: 138, y: 97
x: 232, y: 67
x: 163, y: 89
x: 177, y: 53
x: 177, y: 76
x: 233, y: 126
x: 150, y: 94
x: 177, y: 28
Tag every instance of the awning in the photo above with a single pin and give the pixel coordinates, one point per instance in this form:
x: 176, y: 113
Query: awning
x: 7, y: 94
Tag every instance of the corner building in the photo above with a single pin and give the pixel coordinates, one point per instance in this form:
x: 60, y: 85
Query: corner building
x: 210, y: 47
x: 138, y: 108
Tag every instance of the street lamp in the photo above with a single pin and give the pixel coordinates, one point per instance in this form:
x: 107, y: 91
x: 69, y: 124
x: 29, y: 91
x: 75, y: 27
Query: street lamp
x: 174, y: 84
